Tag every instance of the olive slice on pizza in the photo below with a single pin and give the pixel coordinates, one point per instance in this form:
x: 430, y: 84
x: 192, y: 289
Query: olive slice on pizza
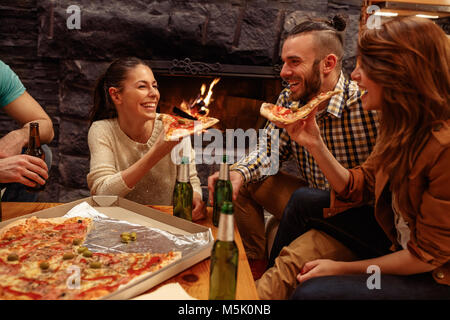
x: 290, y: 115
x: 176, y: 127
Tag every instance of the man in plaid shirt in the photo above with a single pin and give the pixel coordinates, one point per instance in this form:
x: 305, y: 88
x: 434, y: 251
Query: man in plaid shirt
x: 312, y: 55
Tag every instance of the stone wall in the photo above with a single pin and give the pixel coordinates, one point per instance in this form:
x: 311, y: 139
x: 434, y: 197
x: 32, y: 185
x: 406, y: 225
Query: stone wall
x: 59, y: 65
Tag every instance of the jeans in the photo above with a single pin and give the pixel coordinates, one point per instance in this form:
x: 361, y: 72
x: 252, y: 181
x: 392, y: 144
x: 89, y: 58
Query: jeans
x: 16, y: 192
x: 249, y: 207
x: 355, y: 228
x: 355, y: 287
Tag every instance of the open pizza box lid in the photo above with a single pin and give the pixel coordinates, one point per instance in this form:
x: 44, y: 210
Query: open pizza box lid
x: 125, y: 210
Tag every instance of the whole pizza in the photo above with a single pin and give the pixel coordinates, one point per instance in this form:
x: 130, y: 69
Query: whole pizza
x: 46, y: 259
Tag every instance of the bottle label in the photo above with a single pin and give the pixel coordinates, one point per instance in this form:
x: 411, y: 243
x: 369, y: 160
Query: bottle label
x: 226, y: 227
x: 224, y: 173
x: 183, y: 173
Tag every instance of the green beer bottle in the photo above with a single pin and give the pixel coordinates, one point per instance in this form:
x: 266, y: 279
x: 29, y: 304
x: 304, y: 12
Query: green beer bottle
x: 223, y: 190
x: 183, y: 192
x: 34, y: 149
x: 224, y: 258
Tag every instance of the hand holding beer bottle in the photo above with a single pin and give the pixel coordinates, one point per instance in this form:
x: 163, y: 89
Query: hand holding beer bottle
x: 34, y: 149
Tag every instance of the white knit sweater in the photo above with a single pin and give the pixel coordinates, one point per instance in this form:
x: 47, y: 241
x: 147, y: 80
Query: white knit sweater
x: 112, y: 151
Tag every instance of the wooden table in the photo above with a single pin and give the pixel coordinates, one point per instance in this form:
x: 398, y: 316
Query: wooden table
x: 194, y: 280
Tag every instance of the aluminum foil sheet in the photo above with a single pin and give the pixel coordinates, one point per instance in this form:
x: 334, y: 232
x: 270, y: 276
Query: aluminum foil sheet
x: 105, y: 237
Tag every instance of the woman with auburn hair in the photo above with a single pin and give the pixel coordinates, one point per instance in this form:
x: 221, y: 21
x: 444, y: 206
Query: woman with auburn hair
x: 129, y: 156
x: 404, y: 69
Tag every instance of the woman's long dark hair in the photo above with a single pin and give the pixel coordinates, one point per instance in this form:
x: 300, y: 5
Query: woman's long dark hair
x: 116, y: 73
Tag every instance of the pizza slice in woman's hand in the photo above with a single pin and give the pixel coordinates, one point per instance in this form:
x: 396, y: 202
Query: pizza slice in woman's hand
x: 176, y: 127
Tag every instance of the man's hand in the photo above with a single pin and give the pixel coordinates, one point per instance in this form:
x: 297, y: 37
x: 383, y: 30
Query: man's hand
x: 12, y: 143
x: 198, y: 207
x: 236, y: 180
x: 24, y: 169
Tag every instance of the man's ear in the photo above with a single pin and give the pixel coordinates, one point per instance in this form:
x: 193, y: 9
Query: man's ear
x: 115, y: 95
x: 329, y: 63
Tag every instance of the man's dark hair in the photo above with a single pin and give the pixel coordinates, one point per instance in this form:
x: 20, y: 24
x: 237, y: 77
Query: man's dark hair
x: 329, y: 35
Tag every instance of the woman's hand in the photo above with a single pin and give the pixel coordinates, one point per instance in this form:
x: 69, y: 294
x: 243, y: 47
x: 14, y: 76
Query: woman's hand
x: 163, y: 147
x: 198, y: 207
x: 320, y: 268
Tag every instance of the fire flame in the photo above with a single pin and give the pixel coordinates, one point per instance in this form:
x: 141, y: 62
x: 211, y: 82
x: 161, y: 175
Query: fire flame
x: 207, y: 100
x: 199, y: 105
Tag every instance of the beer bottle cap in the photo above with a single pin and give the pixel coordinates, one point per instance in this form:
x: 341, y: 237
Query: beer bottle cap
x: 184, y: 160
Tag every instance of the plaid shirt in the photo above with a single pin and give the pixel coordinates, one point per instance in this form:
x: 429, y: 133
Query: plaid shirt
x: 348, y: 131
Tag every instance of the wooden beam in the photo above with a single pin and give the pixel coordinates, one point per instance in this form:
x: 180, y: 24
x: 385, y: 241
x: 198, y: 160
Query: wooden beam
x: 428, y: 2
x: 414, y: 12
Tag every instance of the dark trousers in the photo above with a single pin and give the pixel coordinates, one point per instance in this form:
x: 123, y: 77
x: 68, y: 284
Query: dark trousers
x: 356, y: 228
x: 16, y: 192
x: 354, y: 287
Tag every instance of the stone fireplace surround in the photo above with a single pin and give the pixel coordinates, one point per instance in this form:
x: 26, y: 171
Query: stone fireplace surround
x: 186, y: 43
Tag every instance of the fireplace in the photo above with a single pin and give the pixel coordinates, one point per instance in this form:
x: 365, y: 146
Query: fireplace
x: 235, y: 100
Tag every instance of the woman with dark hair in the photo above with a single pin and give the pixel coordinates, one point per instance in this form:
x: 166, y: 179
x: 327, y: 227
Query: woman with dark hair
x: 129, y: 156
x: 404, y: 69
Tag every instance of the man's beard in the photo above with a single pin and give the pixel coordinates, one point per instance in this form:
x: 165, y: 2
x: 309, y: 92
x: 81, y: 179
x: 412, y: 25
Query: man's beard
x: 312, y: 84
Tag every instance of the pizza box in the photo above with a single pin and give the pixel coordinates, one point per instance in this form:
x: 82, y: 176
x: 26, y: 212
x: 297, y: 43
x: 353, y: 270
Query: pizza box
x: 122, y: 209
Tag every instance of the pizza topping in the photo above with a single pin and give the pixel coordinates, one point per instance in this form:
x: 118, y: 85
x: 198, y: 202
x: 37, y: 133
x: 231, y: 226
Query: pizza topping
x: 44, y: 265
x: 81, y: 249
x: 29, y: 280
x: 86, y: 253
x: 126, y: 237
x: 112, y: 277
x: 68, y: 256
x: 95, y: 265
x: 18, y: 293
x: 13, y: 257
x: 152, y: 261
x: 10, y: 240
